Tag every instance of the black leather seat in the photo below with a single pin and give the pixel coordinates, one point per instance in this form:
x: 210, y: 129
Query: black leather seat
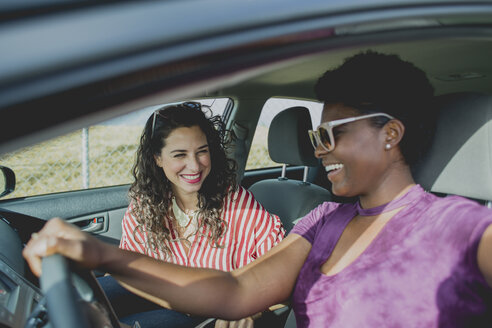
x: 288, y: 144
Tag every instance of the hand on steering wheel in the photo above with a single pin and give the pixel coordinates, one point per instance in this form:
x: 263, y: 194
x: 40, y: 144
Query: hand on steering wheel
x: 60, y: 237
x: 73, y: 295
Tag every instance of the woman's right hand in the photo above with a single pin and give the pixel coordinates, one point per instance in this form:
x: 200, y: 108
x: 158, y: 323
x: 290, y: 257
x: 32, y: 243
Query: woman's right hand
x: 58, y: 236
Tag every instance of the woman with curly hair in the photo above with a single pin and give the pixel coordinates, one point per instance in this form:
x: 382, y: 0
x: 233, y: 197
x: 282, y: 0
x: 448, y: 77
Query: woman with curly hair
x: 186, y: 207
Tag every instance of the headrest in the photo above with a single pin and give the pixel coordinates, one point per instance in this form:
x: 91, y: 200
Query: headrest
x: 460, y: 159
x: 288, y: 140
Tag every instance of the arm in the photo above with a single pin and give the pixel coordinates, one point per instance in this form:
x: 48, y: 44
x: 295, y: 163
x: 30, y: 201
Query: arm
x: 260, y: 231
x: 484, y: 255
x: 230, y: 295
x: 130, y: 239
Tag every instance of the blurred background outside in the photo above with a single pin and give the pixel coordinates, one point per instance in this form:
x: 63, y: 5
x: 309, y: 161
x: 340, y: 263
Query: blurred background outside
x: 104, y: 154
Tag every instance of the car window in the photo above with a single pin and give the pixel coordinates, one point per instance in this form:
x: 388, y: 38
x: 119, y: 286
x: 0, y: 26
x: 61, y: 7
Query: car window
x: 258, y: 156
x: 97, y: 156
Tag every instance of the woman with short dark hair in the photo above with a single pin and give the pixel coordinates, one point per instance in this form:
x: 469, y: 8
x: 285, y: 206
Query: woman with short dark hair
x: 398, y: 257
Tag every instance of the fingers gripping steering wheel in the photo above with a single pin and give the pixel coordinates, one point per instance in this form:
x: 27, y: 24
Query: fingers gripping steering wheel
x: 73, y: 296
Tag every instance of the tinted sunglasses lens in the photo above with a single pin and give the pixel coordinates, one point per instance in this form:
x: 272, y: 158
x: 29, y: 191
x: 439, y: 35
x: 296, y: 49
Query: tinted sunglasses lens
x: 324, y: 137
x: 313, y: 139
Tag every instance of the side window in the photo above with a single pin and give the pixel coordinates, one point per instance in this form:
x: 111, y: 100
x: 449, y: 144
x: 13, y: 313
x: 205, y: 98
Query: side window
x: 258, y: 156
x: 97, y: 156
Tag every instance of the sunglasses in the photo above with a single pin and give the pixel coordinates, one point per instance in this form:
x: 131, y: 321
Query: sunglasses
x: 185, y: 105
x: 324, y: 134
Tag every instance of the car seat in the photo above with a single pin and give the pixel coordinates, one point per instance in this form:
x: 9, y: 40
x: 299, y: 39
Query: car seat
x: 460, y: 159
x: 288, y: 144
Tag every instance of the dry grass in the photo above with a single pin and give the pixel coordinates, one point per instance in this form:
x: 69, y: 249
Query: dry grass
x: 56, y: 165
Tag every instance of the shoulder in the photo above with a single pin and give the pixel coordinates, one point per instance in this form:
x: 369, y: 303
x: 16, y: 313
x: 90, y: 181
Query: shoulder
x: 324, y: 210
x: 239, y: 195
x: 458, y: 208
x: 457, y: 219
x: 129, y: 214
x: 241, y: 206
x: 240, y: 191
x: 323, y: 214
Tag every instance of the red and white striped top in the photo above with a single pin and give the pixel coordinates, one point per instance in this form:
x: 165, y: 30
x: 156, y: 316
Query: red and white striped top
x: 251, y: 232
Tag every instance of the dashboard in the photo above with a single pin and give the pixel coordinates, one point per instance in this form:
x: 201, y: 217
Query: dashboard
x: 18, y: 297
x: 22, y: 304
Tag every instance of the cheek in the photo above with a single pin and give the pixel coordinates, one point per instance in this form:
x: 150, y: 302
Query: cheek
x: 366, y: 141
x: 205, y: 160
x: 369, y: 156
x: 172, y: 167
x: 360, y: 150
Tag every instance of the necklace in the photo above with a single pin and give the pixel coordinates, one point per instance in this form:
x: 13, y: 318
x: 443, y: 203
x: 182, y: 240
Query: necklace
x: 183, y: 219
x: 413, y: 193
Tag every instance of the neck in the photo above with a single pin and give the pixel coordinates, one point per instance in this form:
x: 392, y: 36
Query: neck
x: 392, y: 187
x: 187, y: 202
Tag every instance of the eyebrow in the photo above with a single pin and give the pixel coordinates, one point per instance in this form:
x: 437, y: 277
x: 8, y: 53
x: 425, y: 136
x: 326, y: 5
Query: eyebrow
x: 184, y: 150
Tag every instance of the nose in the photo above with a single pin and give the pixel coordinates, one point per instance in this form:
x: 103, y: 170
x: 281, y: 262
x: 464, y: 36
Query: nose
x: 193, y: 163
x: 320, y: 151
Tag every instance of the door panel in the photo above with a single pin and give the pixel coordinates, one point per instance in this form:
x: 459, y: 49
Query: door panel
x: 104, y: 225
x: 99, y: 210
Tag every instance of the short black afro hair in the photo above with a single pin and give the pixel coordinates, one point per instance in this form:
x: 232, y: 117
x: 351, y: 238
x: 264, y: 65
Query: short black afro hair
x: 376, y: 82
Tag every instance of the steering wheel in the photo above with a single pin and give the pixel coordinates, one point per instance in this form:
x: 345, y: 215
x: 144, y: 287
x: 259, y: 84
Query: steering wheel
x: 73, y: 296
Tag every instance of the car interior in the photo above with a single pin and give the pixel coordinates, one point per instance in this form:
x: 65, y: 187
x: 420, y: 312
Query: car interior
x: 247, y: 60
x: 290, y: 199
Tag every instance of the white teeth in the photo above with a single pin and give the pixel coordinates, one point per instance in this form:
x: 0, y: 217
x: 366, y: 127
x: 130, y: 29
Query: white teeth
x: 332, y: 167
x: 191, y: 177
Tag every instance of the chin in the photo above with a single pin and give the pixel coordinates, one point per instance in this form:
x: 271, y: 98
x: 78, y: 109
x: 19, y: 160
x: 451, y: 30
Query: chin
x: 187, y: 188
x: 342, y: 191
x: 193, y: 188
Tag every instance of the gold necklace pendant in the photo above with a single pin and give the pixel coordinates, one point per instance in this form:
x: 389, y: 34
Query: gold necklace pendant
x: 183, y: 219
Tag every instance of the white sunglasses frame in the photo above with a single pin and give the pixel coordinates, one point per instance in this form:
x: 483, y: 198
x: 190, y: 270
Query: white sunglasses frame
x: 328, y: 126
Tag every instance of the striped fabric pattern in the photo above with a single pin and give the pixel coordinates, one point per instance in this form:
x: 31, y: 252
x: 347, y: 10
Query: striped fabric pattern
x: 251, y: 232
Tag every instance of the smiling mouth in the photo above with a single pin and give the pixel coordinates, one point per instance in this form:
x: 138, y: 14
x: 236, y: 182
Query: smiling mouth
x: 332, y: 167
x: 192, y: 178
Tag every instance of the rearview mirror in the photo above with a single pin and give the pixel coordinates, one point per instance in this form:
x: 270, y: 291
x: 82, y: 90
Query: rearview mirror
x: 7, y: 181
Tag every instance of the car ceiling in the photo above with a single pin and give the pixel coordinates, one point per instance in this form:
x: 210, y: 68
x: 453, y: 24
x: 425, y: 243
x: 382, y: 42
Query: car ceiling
x: 255, y: 58
x: 452, y: 65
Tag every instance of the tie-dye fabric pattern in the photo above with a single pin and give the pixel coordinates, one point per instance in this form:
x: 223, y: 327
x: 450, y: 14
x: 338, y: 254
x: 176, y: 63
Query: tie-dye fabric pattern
x: 420, y: 271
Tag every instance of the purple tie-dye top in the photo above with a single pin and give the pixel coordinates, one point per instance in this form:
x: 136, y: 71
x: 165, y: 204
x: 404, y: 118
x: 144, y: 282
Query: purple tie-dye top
x: 420, y: 271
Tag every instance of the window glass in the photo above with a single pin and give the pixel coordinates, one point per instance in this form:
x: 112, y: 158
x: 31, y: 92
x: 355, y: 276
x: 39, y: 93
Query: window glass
x: 97, y: 156
x: 258, y: 156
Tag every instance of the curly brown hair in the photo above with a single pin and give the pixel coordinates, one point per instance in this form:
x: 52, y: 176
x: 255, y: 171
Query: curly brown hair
x: 151, y: 193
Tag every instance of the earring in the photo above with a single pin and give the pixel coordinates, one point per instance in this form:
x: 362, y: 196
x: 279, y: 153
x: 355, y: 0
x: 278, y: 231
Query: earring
x: 387, y: 146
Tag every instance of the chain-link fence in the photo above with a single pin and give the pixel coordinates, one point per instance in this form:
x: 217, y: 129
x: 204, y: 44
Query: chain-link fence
x: 72, y: 163
x: 58, y: 165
